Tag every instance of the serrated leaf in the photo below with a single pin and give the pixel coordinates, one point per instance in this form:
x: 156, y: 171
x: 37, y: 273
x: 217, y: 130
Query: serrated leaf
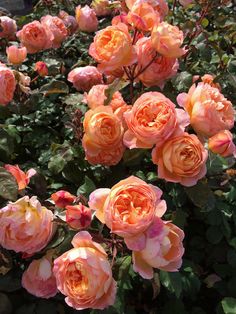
x: 117, y: 85
x: 8, y: 185
x: 87, y: 187
x: 229, y: 305
x: 55, y: 87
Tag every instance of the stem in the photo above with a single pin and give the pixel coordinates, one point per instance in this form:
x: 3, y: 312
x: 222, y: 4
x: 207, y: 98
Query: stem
x: 145, y: 68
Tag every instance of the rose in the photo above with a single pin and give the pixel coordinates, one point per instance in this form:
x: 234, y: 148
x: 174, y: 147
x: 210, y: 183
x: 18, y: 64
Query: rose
x: 152, y: 119
x: 35, y: 37
x: 167, y: 40
x: 63, y: 198
x: 41, y: 68
x: 86, y: 19
x: 8, y: 27
x: 38, y: 278
x: 69, y: 21
x: 159, y: 6
x: 103, y: 133
x: 121, y: 18
x: 163, y: 251
x: 7, y: 84
x: 128, y: 209
x: 209, y: 111
x: 26, y: 226
x: 222, y: 144
x: 78, y: 216
x: 159, y: 70
x: 112, y: 48
x: 143, y: 16
x: 101, y: 7
x: 84, y: 78
x: 16, y: 55
x: 57, y: 28
x: 181, y: 159
x: 84, y: 275
x: 21, y: 177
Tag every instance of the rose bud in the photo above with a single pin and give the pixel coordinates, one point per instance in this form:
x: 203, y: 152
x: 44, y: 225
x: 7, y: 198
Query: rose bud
x: 41, y: 68
x: 63, y: 198
x: 21, y: 177
x: 87, y: 19
x: 78, y: 216
x: 16, y: 55
x: 222, y: 144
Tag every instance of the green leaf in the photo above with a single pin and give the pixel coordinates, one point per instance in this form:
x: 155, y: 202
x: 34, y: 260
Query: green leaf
x: 214, y: 234
x: 117, y: 85
x: 172, y: 281
x: 87, y: 187
x: 8, y: 185
x: 229, y: 305
x: 55, y: 87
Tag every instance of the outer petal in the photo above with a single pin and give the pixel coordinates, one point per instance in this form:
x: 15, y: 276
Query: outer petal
x: 96, y: 202
x: 140, y: 266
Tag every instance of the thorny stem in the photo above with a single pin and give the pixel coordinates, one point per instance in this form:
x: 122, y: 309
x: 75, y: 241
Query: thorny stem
x: 145, y: 68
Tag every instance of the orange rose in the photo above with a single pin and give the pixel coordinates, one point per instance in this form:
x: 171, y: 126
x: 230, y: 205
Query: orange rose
x: 16, y: 55
x: 152, y: 119
x: 103, y: 133
x: 128, y: 209
x: 222, y: 144
x: 181, y: 159
x: 35, y: 37
x: 84, y: 275
x: 57, y: 28
x: 143, y: 16
x: 160, y: 6
x: 41, y: 68
x: 163, y: 251
x: 112, y: 48
x: 209, y: 111
x: 78, y: 216
x: 160, y: 70
x: 22, y: 178
x: 63, y: 198
x: 167, y: 40
x: 7, y: 84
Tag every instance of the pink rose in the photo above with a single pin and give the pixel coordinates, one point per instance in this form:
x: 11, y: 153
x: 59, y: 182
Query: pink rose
x: 63, y: 198
x: 164, y: 250
x: 152, y: 120
x: 128, y: 209
x: 7, y: 84
x: 222, y: 144
x: 57, y: 28
x: 21, y: 177
x: 167, y: 40
x: 26, y: 226
x: 39, y: 280
x: 8, y: 27
x: 209, y: 111
x: 69, y: 21
x: 160, y: 70
x: 84, y: 275
x: 16, y: 55
x: 86, y: 19
x: 181, y: 159
x: 84, y: 78
x: 78, y: 216
x: 35, y: 37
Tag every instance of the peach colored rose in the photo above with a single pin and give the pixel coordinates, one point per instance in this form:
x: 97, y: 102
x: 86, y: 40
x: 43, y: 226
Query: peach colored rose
x: 57, y: 28
x: 63, y: 198
x: 86, y: 19
x: 21, y: 177
x: 143, y: 16
x: 128, y: 209
x: 35, y: 37
x: 84, y: 78
x: 101, y: 7
x: 209, y: 79
x: 8, y: 27
x: 7, y: 84
x: 167, y: 40
x: 112, y: 48
x: 26, y: 226
x: 16, y: 55
x: 209, y: 111
x: 152, y: 120
x: 121, y: 18
x: 163, y: 251
x: 159, y: 6
x: 41, y: 68
x: 222, y: 144
x: 160, y: 70
x: 181, y: 159
x: 38, y: 279
x: 78, y: 216
x: 103, y: 133
x: 84, y: 275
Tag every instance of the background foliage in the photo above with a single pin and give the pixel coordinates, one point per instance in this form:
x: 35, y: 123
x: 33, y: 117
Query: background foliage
x: 43, y: 131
